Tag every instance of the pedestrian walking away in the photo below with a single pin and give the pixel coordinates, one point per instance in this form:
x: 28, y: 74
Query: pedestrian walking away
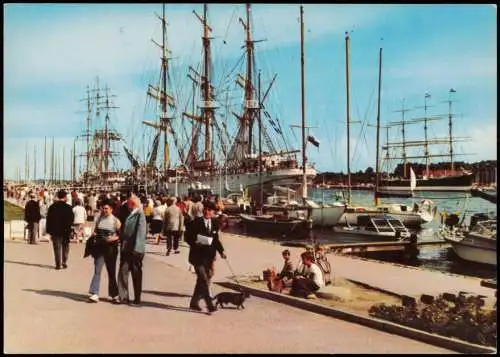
x: 80, y: 215
x: 174, y: 221
x: 32, y: 217
x: 59, y: 221
x: 103, y: 247
x: 204, y: 242
x: 132, y: 248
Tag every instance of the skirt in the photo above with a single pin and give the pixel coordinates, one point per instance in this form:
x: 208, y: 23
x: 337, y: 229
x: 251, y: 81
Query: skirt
x: 156, y: 226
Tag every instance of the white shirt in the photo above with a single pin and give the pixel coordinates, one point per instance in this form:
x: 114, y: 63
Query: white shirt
x: 208, y: 224
x: 159, y: 212
x: 315, y: 273
x: 80, y: 215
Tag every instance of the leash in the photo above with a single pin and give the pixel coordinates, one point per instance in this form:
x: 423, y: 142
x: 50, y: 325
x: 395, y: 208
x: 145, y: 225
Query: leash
x: 232, y: 272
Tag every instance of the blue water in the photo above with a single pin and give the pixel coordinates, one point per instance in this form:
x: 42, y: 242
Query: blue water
x: 432, y: 257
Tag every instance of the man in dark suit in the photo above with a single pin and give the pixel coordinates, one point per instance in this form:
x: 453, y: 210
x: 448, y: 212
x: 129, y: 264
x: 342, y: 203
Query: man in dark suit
x: 59, y: 222
x: 32, y: 217
x: 203, y: 239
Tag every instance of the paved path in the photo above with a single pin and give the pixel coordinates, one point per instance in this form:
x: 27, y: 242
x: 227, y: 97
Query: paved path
x: 249, y: 256
x: 45, y: 312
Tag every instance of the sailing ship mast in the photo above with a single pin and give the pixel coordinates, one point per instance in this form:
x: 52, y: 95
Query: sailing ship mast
x: 34, y: 162
x: 404, y: 144
x: 207, y: 117
x: 164, y: 98
x: 450, y: 125
x: 377, y: 169
x: 348, y: 118
x: 45, y: 162
x: 302, y: 85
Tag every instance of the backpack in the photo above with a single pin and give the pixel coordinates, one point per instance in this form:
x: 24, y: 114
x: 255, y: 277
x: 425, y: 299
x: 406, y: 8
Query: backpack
x: 326, y: 269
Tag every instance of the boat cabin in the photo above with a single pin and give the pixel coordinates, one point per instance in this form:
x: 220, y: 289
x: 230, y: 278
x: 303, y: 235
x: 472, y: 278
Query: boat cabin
x: 382, y: 224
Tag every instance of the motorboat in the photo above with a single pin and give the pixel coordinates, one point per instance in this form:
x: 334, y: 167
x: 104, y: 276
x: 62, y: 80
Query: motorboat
x: 323, y: 214
x: 476, y: 243
x: 378, y: 226
x: 412, y: 217
x: 277, y: 225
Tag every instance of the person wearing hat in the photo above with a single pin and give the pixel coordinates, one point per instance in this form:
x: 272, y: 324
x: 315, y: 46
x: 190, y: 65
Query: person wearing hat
x: 204, y: 242
x: 32, y: 217
x: 59, y: 224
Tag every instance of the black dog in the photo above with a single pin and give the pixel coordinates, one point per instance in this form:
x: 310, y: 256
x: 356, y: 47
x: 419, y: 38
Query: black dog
x: 234, y: 298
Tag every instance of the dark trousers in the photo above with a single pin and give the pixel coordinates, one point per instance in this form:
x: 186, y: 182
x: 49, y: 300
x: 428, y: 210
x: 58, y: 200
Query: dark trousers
x: 108, y: 258
x: 61, y: 245
x: 201, y: 289
x: 130, y: 262
x: 303, y: 287
x: 32, y: 232
x: 173, y: 236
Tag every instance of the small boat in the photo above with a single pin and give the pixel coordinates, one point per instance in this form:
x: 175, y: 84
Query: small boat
x: 476, y: 244
x: 323, y: 214
x: 235, y: 203
x: 412, y: 217
x: 485, y: 193
x: 275, y: 225
x: 378, y: 226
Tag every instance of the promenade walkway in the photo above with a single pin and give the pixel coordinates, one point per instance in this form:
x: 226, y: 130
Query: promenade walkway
x: 45, y: 311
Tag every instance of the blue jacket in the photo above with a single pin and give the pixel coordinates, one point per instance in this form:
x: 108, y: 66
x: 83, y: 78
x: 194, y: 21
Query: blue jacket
x: 130, y: 240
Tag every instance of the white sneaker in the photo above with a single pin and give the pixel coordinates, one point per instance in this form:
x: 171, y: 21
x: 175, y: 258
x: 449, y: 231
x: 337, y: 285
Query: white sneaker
x: 94, y: 298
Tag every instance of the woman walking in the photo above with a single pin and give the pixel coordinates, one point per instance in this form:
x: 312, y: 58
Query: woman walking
x: 104, y: 251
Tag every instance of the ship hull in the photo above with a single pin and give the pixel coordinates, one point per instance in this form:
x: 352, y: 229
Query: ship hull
x: 458, y: 183
x: 221, y: 184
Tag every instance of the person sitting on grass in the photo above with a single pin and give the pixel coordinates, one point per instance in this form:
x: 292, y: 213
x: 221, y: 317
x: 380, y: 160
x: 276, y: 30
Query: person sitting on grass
x: 308, y: 279
x: 277, y: 282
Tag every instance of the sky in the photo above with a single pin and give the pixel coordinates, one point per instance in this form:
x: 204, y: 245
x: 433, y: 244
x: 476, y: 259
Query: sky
x: 53, y: 52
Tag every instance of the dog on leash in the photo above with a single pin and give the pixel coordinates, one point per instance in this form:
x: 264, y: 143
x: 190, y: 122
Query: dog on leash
x: 231, y: 298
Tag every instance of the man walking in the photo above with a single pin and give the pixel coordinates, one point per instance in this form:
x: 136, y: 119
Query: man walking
x: 174, y: 221
x: 203, y: 238
x: 133, y: 246
x: 32, y: 217
x: 59, y: 221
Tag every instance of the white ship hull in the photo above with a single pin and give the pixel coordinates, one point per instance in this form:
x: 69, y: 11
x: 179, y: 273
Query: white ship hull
x: 363, y: 231
x: 474, y: 254
x: 327, y: 216
x: 220, y: 184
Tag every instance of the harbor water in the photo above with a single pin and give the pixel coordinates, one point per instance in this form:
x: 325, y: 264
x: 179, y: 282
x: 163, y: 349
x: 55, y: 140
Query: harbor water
x: 440, y: 258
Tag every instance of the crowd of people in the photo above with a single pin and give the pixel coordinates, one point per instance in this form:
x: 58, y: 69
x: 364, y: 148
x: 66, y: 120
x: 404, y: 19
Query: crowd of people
x: 121, y: 225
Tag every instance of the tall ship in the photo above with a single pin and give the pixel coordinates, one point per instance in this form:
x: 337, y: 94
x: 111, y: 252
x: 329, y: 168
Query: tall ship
x: 427, y: 179
x: 206, y: 144
x: 98, y: 167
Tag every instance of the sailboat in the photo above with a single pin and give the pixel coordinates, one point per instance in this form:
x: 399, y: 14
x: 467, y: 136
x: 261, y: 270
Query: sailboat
x: 436, y: 180
x: 236, y: 162
x: 409, y: 216
x: 285, y: 225
x: 101, y: 171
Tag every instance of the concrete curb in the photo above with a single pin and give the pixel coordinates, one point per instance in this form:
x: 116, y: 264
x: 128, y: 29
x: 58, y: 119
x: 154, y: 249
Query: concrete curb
x: 386, y: 326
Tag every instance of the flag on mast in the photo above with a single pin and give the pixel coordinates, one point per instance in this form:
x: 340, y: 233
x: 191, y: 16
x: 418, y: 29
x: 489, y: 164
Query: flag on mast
x: 313, y: 140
